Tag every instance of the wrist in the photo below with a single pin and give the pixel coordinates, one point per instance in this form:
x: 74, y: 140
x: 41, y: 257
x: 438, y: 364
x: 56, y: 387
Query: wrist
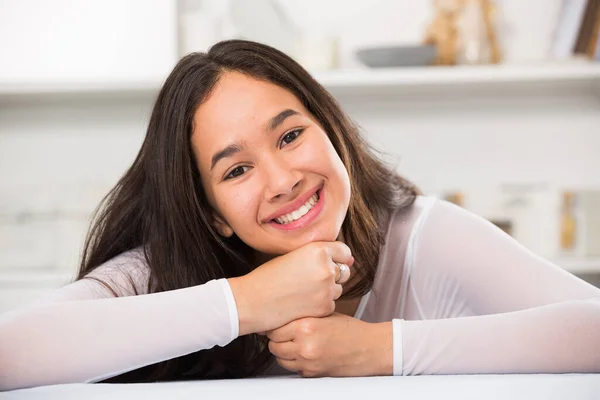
x: 247, y: 321
x: 380, y: 351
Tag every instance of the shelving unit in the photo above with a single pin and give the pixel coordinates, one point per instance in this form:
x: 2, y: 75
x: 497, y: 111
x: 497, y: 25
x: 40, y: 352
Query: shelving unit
x: 572, y: 71
x: 577, y: 74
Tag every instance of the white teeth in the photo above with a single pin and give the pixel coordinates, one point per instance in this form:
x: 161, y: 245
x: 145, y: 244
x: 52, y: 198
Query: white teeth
x: 300, y: 212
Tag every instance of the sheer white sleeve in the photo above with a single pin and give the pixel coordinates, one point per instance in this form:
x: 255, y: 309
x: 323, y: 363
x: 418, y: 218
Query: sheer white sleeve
x: 83, y: 333
x: 486, y: 304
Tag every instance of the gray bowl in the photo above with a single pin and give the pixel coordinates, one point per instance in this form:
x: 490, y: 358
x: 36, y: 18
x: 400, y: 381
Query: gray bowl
x: 397, y: 56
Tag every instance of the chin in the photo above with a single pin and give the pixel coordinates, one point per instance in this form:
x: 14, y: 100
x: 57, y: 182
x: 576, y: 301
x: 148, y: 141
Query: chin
x: 330, y: 236
x: 289, y: 247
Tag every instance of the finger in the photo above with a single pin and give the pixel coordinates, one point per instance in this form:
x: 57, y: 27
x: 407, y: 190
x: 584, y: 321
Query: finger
x: 336, y: 272
x: 351, y: 261
x: 344, y: 272
x: 337, y: 291
x: 284, y: 350
x: 339, y: 252
x: 289, y: 365
x: 284, y: 334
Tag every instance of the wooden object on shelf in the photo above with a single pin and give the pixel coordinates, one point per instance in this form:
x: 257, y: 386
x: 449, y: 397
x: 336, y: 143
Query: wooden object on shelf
x: 567, y: 222
x: 489, y: 16
x: 464, y: 32
x: 472, y: 45
x: 443, y: 30
x: 457, y: 198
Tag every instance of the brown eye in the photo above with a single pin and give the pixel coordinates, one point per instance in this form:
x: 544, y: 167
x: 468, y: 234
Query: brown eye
x: 290, y: 136
x: 237, y: 171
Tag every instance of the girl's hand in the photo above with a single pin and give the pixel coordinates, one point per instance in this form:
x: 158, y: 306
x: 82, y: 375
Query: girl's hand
x: 337, y: 345
x: 299, y: 284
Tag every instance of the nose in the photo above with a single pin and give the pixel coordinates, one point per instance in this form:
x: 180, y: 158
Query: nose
x: 281, y: 179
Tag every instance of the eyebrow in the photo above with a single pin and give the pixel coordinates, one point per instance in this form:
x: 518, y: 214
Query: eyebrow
x: 236, y: 148
x: 279, y: 118
x: 226, y: 152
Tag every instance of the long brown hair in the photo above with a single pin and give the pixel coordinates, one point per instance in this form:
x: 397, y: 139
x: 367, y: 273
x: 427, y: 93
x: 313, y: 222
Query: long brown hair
x: 159, y: 204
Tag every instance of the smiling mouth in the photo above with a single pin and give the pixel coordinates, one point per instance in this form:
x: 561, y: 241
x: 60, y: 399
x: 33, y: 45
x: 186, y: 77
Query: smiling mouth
x: 300, y: 212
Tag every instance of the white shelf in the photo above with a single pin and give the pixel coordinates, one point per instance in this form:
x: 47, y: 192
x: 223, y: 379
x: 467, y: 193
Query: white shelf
x: 25, y: 92
x: 460, y: 75
x: 10, y: 89
x: 491, y: 80
x: 577, y: 73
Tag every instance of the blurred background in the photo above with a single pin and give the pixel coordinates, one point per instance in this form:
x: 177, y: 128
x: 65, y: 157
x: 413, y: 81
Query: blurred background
x: 493, y: 105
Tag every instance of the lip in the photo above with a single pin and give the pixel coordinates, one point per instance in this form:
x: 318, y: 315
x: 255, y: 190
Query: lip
x: 306, y: 219
x: 295, y: 204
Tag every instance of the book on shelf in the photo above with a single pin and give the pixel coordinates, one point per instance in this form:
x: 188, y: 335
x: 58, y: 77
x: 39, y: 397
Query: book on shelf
x: 577, y: 30
x: 587, y: 37
x: 567, y: 28
x: 594, y: 47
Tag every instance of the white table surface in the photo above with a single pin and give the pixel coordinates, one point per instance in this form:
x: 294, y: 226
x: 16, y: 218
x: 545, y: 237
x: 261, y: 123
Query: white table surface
x: 514, y: 387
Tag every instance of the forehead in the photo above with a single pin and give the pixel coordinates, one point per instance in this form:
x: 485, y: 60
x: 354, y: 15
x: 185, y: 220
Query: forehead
x: 238, y: 104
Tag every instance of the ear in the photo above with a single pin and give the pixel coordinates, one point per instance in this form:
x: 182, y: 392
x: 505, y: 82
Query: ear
x: 221, y: 225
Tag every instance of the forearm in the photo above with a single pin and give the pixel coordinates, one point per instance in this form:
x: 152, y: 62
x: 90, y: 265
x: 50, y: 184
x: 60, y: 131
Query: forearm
x: 91, y: 340
x: 556, y: 338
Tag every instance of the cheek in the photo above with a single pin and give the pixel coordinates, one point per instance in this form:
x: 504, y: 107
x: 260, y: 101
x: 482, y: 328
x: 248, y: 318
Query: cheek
x: 320, y: 153
x: 339, y: 173
x: 237, y: 206
x: 323, y: 158
x: 335, y: 162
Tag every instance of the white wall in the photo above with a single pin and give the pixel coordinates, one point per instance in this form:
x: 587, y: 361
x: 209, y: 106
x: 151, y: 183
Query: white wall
x: 79, y: 41
x: 509, y: 139
x: 56, y: 162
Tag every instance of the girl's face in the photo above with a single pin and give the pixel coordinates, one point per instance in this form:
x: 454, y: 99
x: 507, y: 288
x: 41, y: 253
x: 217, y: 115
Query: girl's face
x: 268, y: 169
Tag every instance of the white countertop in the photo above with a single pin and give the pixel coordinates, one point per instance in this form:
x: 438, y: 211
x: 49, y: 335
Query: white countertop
x: 449, y: 387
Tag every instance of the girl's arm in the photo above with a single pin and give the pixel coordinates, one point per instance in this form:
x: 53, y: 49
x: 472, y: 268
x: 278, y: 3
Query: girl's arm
x: 525, y: 314
x: 82, y: 333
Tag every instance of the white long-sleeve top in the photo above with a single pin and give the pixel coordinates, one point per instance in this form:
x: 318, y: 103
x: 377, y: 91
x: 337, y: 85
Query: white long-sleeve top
x: 464, y: 297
